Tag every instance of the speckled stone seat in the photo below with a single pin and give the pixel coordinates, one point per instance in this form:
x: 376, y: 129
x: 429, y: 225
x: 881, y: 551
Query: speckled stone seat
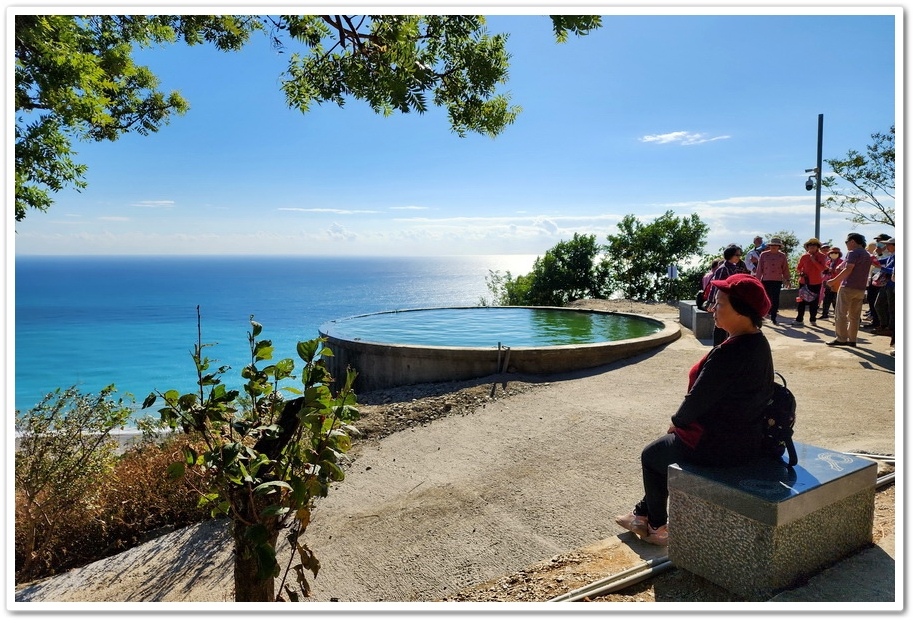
x: 685, y: 313
x: 761, y: 528
x: 703, y: 324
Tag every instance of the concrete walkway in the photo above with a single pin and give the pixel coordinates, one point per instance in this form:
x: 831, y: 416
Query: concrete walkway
x: 462, y: 500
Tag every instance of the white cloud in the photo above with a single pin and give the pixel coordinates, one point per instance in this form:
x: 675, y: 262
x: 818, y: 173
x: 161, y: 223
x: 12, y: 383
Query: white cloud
x: 416, y: 208
x: 746, y: 206
x: 163, y: 203
x: 328, y: 211
x: 681, y: 138
x: 548, y: 225
x: 113, y: 218
x: 338, y: 232
x: 730, y: 219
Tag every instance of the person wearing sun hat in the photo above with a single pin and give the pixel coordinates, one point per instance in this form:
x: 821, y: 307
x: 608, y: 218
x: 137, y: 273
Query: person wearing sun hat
x: 834, y: 261
x: 718, y: 421
x: 810, y: 271
x: 884, y: 301
x: 877, y: 249
x: 850, y: 285
x: 773, y: 271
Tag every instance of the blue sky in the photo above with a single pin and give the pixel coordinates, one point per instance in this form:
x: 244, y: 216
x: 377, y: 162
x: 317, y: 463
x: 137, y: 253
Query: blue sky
x: 707, y: 113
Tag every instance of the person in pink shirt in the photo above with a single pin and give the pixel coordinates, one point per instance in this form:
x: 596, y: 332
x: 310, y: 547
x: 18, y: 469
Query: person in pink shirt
x: 810, y: 270
x: 773, y: 272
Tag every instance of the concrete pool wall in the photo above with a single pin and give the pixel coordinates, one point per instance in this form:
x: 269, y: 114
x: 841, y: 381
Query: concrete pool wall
x: 381, y: 365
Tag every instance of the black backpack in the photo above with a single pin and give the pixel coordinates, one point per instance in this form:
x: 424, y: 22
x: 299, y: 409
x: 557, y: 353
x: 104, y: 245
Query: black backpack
x: 779, y: 423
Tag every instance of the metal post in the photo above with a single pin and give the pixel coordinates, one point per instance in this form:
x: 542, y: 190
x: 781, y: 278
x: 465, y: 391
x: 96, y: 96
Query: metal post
x: 817, y: 194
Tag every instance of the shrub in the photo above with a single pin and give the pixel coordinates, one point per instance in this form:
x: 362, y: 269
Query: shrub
x: 65, y: 451
x: 140, y: 502
x: 77, y: 499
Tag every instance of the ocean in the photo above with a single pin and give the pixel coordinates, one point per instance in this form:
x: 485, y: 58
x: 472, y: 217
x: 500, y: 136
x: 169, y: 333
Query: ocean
x: 131, y: 321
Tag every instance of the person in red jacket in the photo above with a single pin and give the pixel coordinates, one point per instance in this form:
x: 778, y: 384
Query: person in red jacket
x: 720, y: 420
x: 810, y: 272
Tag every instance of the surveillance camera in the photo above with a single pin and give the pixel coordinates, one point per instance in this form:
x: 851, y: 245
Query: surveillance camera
x: 809, y: 184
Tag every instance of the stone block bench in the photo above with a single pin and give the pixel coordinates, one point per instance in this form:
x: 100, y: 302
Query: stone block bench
x: 703, y: 324
x: 699, y: 321
x: 758, y: 529
x: 685, y: 313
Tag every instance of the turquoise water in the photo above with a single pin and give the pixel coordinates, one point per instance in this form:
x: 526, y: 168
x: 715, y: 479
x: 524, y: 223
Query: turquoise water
x: 514, y: 327
x: 132, y: 321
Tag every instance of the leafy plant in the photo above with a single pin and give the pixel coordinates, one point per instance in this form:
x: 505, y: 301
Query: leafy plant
x: 507, y: 290
x: 267, y: 458
x: 638, y: 257
x: 65, y: 453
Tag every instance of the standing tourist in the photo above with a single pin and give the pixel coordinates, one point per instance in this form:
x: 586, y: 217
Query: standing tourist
x: 731, y: 265
x: 850, y: 285
x: 703, y: 294
x: 773, y: 272
x: 754, y: 254
x: 876, y: 250
x: 719, y: 420
x: 884, y: 301
x: 810, y: 271
x: 834, y: 262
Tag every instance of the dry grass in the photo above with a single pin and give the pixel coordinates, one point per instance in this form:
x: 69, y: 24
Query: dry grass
x: 134, y: 503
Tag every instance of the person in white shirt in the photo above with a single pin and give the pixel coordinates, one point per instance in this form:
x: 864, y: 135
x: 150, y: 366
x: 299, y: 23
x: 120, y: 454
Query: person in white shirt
x: 750, y: 260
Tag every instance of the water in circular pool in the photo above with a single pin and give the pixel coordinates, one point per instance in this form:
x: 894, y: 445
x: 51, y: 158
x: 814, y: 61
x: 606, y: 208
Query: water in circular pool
x: 488, y: 326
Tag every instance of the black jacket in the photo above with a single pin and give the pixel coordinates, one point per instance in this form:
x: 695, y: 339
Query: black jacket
x: 721, y: 417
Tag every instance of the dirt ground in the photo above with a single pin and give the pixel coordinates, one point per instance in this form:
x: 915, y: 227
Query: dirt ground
x: 504, y: 489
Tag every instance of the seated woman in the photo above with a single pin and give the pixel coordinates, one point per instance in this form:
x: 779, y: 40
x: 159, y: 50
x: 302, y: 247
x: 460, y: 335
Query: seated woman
x: 720, y: 420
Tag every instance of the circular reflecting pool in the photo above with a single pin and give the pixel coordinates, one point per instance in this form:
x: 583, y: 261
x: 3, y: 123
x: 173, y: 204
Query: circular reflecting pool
x: 390, y: 349
x: 489, y: 326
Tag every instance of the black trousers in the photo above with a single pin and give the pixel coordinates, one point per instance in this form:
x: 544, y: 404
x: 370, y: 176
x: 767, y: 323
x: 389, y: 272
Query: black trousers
x: 812, y: 306
x: 655, y: 459
x: 871, y: 294
x: 772, y: 289
x: 829, y: 300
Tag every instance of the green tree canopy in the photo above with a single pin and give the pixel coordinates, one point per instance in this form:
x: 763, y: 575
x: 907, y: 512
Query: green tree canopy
x: 633, y: 264
x: 76, y: 79
x: 567, y: 272
x: 870, y: 176
x: 638, y: 257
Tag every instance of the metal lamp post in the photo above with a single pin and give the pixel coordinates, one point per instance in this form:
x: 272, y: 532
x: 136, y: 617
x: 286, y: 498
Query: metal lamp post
x: 816, y: 171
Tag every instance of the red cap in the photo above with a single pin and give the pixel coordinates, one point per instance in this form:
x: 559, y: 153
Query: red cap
x: 747, y: 288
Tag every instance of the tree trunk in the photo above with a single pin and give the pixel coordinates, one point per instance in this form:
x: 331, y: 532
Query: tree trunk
x: 247, y: 585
